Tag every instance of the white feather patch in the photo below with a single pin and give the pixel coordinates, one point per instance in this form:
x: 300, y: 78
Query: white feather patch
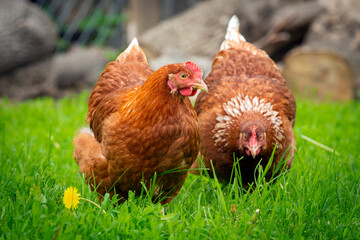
x: 86, y: 130
x: 183, y: 163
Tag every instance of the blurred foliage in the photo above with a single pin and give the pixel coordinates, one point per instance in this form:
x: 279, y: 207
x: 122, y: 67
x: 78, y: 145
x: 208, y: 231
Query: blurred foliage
x: 97, y: 25
x: 99, y: 28
x: 102, y: 24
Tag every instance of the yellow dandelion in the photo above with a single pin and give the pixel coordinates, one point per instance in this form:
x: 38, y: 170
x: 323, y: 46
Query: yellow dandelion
x: 71, y: 198
x: 233, y: 209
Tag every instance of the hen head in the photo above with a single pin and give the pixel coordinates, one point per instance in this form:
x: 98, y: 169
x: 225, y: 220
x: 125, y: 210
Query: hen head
x: 252, y: 138
x: 186, y: 80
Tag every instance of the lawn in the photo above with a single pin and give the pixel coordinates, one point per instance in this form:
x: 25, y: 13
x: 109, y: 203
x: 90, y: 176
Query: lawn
x: 317, y: 199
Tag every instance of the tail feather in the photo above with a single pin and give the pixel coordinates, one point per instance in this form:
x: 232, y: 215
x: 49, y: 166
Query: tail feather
x: 233, y: 30
x: 233, y: 39
x: 232, y: 33
x: 87, y: 150
x: 133, y: 53
x: 91, y: 161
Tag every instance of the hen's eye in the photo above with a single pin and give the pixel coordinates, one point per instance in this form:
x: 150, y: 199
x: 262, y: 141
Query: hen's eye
x: 183, y: 76
x: 245, y: 137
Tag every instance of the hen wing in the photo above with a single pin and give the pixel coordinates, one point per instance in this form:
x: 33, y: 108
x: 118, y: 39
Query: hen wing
x: 129, y: 70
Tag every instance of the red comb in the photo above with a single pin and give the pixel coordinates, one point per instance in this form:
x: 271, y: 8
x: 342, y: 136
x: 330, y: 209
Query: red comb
x: 195, y: 69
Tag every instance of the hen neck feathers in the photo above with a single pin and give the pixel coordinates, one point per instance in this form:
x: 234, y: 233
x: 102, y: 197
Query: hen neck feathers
x: 153, y: 102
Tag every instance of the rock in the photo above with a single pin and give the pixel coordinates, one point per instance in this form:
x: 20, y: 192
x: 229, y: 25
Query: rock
x: 30, y: 81
x: 78, y: 68
x: 56, y: 76
x: 26, y: 34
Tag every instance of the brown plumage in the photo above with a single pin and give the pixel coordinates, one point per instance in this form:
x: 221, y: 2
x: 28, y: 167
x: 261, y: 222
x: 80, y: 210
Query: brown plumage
x: 142, y: 123
x: 249, y: 110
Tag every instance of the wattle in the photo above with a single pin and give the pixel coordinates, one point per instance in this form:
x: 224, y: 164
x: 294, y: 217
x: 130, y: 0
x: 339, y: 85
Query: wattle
x: 188, y: 91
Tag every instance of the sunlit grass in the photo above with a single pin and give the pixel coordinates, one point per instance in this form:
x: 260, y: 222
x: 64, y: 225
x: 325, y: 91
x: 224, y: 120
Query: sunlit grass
x: 317, y: 199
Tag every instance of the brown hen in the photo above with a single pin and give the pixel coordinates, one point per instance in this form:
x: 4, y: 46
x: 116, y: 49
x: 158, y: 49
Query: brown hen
x: 142, y: 123
x: 249, y: 110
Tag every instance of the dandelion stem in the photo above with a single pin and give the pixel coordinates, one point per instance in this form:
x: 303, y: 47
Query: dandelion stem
x: 57, y: 231
x: 92, y: 203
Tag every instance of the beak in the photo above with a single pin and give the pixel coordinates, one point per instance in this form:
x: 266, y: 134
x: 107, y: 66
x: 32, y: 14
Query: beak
x: 253, y: 151
x: 200, y: 84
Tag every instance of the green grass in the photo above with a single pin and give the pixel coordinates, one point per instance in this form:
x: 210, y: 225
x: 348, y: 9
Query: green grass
x: 317, y: 199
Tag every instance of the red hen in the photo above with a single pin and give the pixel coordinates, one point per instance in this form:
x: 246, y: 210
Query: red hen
x: 249, y: 110
x: 142, y: 123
